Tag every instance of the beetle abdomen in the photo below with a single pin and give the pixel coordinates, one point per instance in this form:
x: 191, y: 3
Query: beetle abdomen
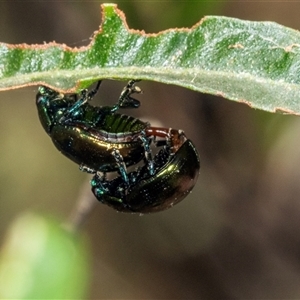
x: 117, y: 123
x: 83, y: 148
x: 172, y: 182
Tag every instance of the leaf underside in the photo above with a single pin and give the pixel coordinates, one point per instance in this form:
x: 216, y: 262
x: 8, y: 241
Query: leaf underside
x: 256, y: 63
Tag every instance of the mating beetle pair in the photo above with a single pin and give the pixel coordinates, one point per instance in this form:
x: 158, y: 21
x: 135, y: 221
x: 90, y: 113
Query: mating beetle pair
x: 102, y: 141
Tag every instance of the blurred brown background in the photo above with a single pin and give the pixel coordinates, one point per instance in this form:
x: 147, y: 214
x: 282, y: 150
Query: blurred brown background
x: 235, y: 237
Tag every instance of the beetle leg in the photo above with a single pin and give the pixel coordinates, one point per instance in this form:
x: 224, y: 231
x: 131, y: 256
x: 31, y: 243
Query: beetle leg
x: 74, y: 111
x: 148, y: 152
x: 125, y: 99
x: 98, y: 187
x: 174, y: 138
x: 84, y: 97
x: 87, y: 169
x: 93, y: 92
x: 121, y: 165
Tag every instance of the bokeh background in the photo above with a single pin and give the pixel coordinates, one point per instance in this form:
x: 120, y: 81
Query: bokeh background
x: 237, y: 236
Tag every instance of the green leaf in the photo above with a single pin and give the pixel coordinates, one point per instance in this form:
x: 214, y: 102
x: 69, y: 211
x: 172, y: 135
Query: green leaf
x: 256, y: 63
x: 40, y: 260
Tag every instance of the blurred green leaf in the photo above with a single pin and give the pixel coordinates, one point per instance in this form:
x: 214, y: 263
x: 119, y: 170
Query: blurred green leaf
x: 256, y: 63
x: 40, y: 260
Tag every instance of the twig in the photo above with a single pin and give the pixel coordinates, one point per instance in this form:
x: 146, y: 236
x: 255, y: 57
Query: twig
x: 84, y: 206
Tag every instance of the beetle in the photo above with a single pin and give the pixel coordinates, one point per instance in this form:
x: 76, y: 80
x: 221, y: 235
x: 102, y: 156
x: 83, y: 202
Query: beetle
x: 102, y: 141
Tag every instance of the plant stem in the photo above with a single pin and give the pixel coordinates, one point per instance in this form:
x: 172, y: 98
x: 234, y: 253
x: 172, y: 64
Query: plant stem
x: 84, y: 206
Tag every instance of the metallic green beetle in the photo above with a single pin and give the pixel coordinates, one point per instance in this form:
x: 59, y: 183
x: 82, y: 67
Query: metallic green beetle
x: 102, y: 141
